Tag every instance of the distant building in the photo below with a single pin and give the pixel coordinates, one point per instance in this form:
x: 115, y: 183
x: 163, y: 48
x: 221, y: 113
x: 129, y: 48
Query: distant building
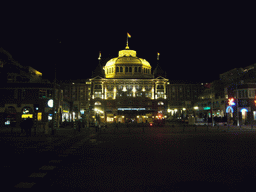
x: 127, y: 91
x: 13, y: 72
x: 22, y: 100
x: 182, y: 96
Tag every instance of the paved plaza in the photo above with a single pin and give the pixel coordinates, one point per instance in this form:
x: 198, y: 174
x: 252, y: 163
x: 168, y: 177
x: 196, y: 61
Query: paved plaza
x: 134, y: 159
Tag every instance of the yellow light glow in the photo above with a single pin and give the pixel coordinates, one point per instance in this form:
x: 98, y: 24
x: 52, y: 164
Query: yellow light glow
x: 184, y: 109
x: 39, y: 116
x: 196, y: 108
x: 110, y: 119
x: 26, y: 116
x: 38, y: 73
x: 122, y: 116
x: 175, y: 110
x: 124, y: 89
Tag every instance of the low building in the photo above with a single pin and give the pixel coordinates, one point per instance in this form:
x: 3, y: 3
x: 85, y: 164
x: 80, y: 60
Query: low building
x: 35, y: 100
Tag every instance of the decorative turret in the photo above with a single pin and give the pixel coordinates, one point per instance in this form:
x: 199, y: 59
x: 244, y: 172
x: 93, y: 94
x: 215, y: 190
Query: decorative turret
x: 158, y: 71
x: 99, y: 69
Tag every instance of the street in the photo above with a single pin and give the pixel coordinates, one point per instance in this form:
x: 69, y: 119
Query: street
x: 156, y: 159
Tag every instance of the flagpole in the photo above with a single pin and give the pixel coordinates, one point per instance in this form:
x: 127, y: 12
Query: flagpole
x: 128, y: 35
x: 127, y: 47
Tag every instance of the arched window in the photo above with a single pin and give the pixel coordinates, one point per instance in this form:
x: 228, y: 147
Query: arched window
x: 139, y: 69
x: 121, y: 69
x: 112, y: 69
x: 135, y: 69
x: 160, y: 103
x: 97, y: 103
x: 117, y: 69
x: 130, y: 69
x: 126, y: 69
x: 144, y: 70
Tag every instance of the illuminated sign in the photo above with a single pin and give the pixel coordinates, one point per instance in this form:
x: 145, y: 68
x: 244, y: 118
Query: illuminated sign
x: 24, y: 116
x: 131, y: 109
x: 229, y: 109
x: 231, y: 102
x: 244, y: 110
x: 207, y: 108
x: 50, y: 103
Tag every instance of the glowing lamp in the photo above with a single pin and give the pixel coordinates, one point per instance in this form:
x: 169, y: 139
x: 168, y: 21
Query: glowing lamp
x: 50, y: 103
x: 231, y: 102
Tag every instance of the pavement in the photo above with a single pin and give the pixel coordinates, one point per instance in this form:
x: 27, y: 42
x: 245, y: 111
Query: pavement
x: 21, y: 153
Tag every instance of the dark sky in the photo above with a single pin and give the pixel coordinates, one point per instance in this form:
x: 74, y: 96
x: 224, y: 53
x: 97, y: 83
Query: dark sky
x: 197, y: 42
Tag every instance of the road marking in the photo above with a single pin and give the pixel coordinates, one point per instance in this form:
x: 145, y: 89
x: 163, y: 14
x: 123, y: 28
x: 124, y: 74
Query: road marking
x: 38, y: 175
x: 24, y: 185
x: 93, y: 140
x: 55, y: 161
x: 63, y: 155
x: 47, y: 168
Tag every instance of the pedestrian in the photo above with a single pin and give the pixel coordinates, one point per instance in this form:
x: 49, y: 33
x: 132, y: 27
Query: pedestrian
x: 22, y: 126
x: 79, y: 125
x: 116, y: 125
x: 29, y: 126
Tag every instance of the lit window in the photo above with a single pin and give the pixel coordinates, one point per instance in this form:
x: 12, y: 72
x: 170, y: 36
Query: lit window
x: 254, y: 115
x: 97, y: 103
x: 160, y: 103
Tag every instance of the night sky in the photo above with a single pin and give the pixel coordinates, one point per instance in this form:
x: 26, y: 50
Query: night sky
x: 196, y: 42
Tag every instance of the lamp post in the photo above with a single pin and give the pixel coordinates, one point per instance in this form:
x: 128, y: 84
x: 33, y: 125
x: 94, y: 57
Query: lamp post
x: 237, y: 112
x: 54, y: 99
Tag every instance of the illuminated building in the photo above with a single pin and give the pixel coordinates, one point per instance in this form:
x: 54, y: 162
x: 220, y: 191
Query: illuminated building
x: 182, y: 96
x: 127, y: 91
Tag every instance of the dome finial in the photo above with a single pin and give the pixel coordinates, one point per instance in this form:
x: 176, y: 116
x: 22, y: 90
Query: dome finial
x: 99, y: 55
x: 158, y: 55
x: 128, y: 36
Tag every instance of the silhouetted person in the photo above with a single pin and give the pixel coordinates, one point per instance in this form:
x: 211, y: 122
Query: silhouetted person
x: 29, y: 126
x: 22, y: 126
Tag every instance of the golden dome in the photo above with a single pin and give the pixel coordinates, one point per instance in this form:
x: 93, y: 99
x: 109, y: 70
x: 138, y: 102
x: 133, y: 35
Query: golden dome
x: 127, y: 65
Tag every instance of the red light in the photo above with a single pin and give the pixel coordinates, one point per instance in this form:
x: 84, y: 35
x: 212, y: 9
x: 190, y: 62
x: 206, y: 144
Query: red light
x: 150, y: 124
x: 231, y: 101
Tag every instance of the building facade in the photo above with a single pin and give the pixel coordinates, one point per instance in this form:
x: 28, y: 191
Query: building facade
x: 127, y: 92
x: 182, y: 97
x: 34, y: 100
